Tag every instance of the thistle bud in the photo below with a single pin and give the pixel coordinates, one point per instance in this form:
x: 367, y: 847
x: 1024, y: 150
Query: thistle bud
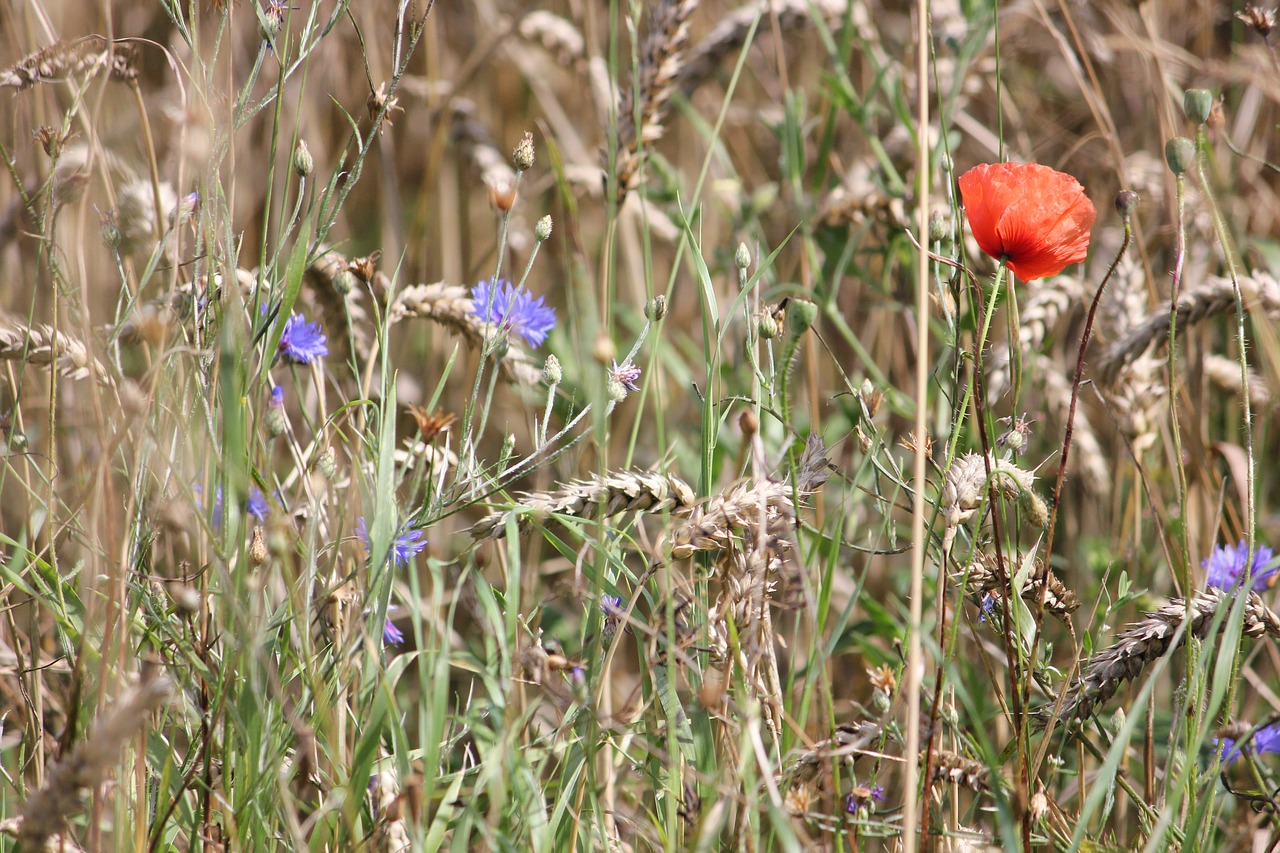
x: 742, y: 257
x: 522, y: 157
x: 552, y: 373
x: 1197, y: 104
x: 1180, y: 154
x: 327, y: 464
x: 303, y: 163
x: 1126, y: 203
x: 542, y: 230
x: 656, y: 309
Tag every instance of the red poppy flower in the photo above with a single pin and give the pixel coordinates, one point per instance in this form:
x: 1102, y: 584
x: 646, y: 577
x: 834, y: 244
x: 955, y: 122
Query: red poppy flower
x: 1033, y: 217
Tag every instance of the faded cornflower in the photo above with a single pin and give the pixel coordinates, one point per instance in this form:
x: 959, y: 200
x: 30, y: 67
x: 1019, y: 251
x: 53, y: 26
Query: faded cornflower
x: 861, y: 796
x: 622, y: 379
x: 522, y: 157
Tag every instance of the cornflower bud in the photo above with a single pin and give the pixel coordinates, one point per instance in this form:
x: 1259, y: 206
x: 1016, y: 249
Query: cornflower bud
x: 542, y: 230
x: 552, y: 373
x: 327, y: 464
x: 742, y: 257
x: 303, y: 163
x: 656, y: 309
x: 522, y: 157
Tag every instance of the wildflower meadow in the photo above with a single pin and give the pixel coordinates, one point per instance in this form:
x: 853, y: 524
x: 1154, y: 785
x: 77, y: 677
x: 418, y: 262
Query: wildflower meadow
x: 840, y: 425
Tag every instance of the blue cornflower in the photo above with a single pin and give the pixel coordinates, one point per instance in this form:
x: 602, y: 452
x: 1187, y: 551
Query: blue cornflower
x: 513, y: 308
x: 1265, y: 739
x: 1225, y: 567
x: 626, y: 374
x: 391, y: 635
x: 407, y: 545
x: 612, y: 608
x: 302, y: 342
x: 257, y: 505
x: 989, y: 600
x: 277, y: 396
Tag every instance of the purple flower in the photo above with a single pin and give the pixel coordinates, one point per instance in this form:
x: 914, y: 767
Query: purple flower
x: 391, y: 635
x: 612, y: 607
x: 302, y: 342
x: 257, y: 505
x: 1225, y: 567
x: 861, y: 796
x: 513, y: 308
x: 989, y: 600
x: 277, y: 396
x: 1265, y: 739
x: 407, y: 545
x: 626, y: 375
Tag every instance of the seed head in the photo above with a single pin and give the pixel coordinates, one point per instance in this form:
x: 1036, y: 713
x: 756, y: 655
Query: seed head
x: 1197, y: 104
x: 800, y: 313
x: 1261, y: 20
x: 258, y: 547
x: 1180, y: 154
x: 1126, y: 203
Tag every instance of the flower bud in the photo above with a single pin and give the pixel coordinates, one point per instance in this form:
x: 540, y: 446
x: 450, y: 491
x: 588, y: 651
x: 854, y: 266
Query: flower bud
x: 1034, y: 509
x: 1197, y: 104
x: 656, y: 309
x: 109, y: 231
x: 800, y: 315
x: 522, y: 157
x: 767, y: 327
x: 344, y: 281
x: 327, y: 464
x: 1180, y: 154
x: 742, y: 257
x: 616, y: 390
x: 552, y: 373
x: 542, y: 230
x: 939, y: 227
x: 946, y: 164
x: 1126, y: 203
x: 277, y: 421
x: 303, y: 163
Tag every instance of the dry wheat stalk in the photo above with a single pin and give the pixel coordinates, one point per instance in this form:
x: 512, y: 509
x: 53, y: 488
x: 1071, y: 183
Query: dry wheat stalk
x: 45, y: 812
x: 735, y: 515
x: 983, y: 578
x: 1225, y: 373
x: 954, y: 768
x: 338, y: 304
x: 1214, y: 296
x: 965, y: 486
x: 626, y: 491
x: 67, y: 59
x: 557, y: 35
x: 390, y: 835
x: 1147, y: 640
x: 42, y: 345
x: 731, y: 33
x: 450, y: 305
x: 661, y: 57
x: 471, y: 134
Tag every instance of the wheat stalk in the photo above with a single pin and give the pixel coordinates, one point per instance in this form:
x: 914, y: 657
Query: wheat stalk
x: 983, y: 579
x: 558, y: 36
x: 609, y: 495
x: 1214, y: 296
x: 658, y: 69
x: 42, y: 345
x: 1145, y: 641
x: 67, y: 59
x: 45, y: 812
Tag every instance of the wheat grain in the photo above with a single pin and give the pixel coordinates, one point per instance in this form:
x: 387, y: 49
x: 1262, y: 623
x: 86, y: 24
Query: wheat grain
x: 983, y: 579
x: 609, y: 495
x: 43, y: 346
x: 1145, y: 641
x: 557, y: 35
